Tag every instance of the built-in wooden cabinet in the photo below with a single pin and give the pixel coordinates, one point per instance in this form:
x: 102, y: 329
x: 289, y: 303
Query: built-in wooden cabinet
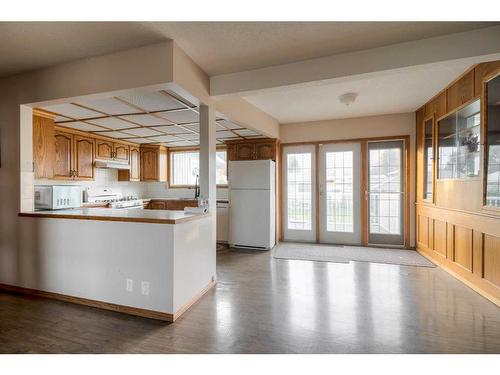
x: 171, y: 204
x: 63, y: 166
x: 455, y: 226
x: 74, y: 156
x: 84, y: 158
x: 107, y: 150
x: 261, y: 149
x: 43, y: 146
x: 153, y: 163
x: 134, y: 174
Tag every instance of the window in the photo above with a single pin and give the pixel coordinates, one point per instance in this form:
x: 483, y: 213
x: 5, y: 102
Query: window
x: 299, y: 191
x: 459, y: 140
x: 493, y: 142
x: 185, y: 167
x: 428, y: 157
x: 339, y: 191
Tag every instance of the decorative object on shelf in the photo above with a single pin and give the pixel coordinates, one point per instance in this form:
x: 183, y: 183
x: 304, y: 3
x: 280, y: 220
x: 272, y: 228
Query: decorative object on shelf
x: 471, y: 141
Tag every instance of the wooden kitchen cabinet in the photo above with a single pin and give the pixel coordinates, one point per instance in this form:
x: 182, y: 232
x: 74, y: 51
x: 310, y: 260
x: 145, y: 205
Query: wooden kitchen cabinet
x: 436, y: 106
x: 63, y: 165
x: 260, y: 149
x: 74, y: 156
x: 121, y: 152
x: 83, y: 157
x: 134, y: 174
x: 107, y: 150
x: 171, y: 204
x: 483, y: 71
x: 153, y: 163
x: 43, y: 146
x: 104, y: 149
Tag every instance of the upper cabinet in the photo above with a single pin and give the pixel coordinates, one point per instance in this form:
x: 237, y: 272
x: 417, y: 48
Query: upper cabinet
x: 257, y: 149
x: 84, y: 158
x: 63, y: 166
x: 74, y: 156
x: 107, y: 150
x: 153, y: 161
x: 104, y: 149
x: 43, y: 145
x: 134, y: 174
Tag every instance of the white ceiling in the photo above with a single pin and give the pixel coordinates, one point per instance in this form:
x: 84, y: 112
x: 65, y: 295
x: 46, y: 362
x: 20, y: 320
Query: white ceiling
x: 400, y: 91
x: 227, y: 47
x: 146, y: 117
x: 217, y: 47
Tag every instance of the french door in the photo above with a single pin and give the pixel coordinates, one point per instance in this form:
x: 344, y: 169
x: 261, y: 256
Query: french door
x: 386, y: 192
x: 328, y: 195
x: 339, y: 193
x: 299, y: 192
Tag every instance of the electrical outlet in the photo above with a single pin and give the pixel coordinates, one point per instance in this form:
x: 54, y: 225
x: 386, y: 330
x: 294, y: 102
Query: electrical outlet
x: 130, y: 285
x: 145, y: 288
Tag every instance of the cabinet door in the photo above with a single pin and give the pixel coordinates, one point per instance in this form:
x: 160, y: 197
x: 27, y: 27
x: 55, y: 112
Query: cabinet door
x: 157, y: 205
x: 121, y: 152
x: 135, y: 168
x: 264, y: 151
x: 63, y: 163
x: 104, y: 149
x: 178, y: 205
x: 149, y: 165
x: 245, y: 151
x: 84, y: 158
x: 43, y: 147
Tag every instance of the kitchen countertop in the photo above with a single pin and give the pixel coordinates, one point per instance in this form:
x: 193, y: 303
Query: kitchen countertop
x: 112, y: 214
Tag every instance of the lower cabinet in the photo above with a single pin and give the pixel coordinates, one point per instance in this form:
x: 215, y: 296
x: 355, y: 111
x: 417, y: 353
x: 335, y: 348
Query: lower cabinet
x: 171, y: 204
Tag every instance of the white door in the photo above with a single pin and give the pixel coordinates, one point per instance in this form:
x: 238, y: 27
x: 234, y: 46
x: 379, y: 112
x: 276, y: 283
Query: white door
x: 340, y: 193
x: 386, y: 194
x: 299, y: 192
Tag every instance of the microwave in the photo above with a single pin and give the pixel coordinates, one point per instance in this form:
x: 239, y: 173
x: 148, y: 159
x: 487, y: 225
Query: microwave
x: 57, y: 197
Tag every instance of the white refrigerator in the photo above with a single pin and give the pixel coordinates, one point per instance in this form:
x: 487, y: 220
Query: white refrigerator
x: 252, y: 209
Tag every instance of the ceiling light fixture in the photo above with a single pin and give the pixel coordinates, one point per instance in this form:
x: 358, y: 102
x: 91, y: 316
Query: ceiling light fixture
x: 348, y: 98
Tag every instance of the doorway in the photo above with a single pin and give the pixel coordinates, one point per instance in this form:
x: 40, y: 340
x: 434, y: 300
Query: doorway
x: 351, y: 192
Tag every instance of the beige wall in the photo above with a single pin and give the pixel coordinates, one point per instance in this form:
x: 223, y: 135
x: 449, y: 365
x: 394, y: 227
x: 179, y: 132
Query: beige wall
x: 354, y: 128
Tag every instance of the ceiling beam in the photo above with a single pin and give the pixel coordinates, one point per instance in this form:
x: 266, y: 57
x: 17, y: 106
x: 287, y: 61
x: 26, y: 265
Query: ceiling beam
x: 480, y: 42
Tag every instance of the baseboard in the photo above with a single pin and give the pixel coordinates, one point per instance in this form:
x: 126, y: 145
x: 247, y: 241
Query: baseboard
x: 193, y: 300
x: 481, y: 286
x: 167, y: 317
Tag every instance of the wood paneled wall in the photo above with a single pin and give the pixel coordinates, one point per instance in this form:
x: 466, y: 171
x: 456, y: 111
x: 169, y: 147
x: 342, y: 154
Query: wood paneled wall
x: 456, y: 231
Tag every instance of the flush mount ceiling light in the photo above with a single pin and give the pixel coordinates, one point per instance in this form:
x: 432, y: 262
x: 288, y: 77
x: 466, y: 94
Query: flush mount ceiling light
x: 348, y: 98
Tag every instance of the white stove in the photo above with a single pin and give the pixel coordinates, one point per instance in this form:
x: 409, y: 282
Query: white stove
x: 114, y: 199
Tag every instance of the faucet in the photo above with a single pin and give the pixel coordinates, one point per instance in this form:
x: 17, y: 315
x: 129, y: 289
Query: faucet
x: 196, y: 188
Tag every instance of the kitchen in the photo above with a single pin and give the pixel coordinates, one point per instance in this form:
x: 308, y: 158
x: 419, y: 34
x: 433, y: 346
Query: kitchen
x: 115, y: 164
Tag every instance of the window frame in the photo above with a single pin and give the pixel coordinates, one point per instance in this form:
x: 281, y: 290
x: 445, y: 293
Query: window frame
x: 482, y: 141
x: 178, y: 150
x: 434, y: 158
x: 484, y: 138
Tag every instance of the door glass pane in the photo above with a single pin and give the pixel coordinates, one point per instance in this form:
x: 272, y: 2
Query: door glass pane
x: 428, y: 157
x: 493, y: 141
x: 385, y: 184
x: 299, y: 191
x: 339, y: 191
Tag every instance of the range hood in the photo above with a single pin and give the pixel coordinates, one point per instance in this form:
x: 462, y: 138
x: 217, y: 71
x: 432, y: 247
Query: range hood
x: 111, y: 164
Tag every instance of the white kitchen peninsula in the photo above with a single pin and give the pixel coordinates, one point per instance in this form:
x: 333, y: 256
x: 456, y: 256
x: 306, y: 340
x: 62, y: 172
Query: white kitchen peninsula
x: 142, y: 262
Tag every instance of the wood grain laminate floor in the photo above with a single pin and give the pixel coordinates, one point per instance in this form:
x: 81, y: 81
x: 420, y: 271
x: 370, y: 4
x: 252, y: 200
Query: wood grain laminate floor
x: 266, y: 305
